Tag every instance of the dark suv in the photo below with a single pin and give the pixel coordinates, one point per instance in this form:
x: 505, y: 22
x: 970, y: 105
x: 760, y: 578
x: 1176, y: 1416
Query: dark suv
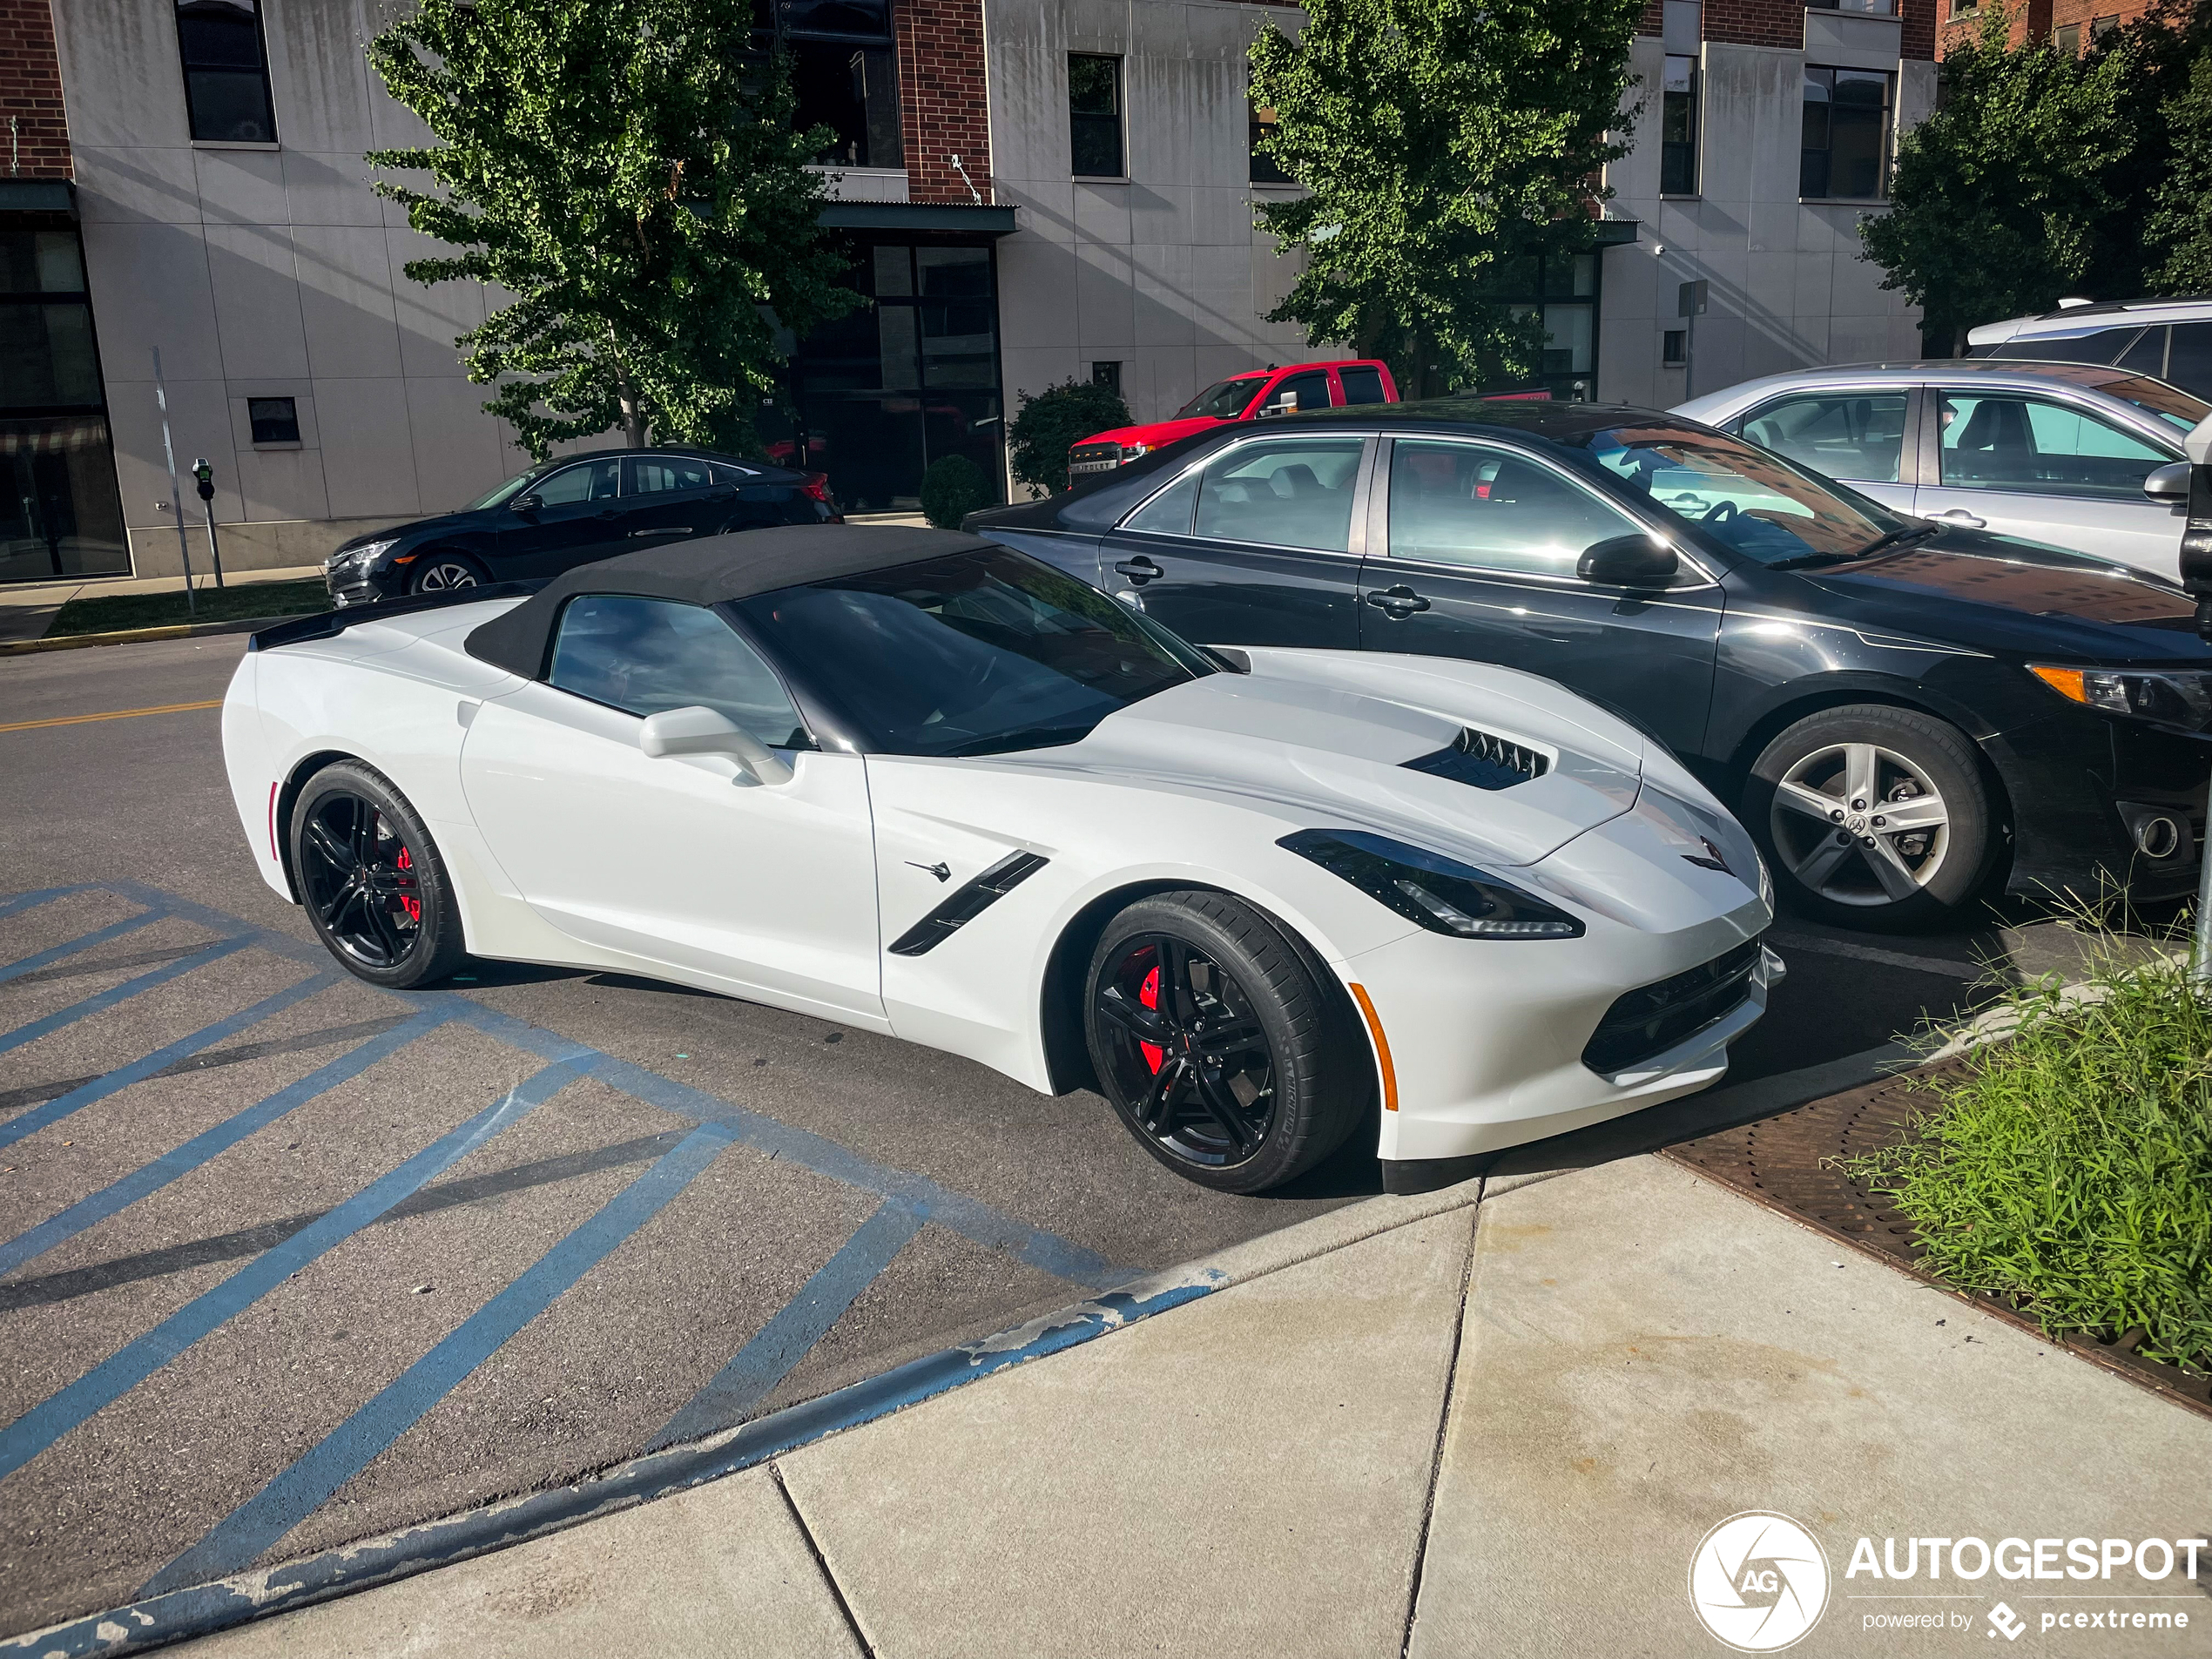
x: 1899, y: 709
x: 572, y: 510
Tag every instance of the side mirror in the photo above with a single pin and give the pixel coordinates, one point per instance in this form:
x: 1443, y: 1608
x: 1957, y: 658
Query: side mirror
x: 706, y: 731
x: 526, y: 503
x: 2168, y: 485
x: 1628, y: 562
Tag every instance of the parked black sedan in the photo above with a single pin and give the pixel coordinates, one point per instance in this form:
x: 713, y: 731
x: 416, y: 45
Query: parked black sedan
x: 572, y: 510
x: 1904, y: 712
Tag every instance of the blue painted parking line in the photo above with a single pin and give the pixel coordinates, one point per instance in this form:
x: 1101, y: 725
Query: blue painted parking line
x: 44, y: 895
x: 182, y: 1160
x: 728, y: 1398
x: 263, y: 1519
x: 129, y: 989
x: 50, y: 1419
x: 69, y: 947
x: 30, y: 1122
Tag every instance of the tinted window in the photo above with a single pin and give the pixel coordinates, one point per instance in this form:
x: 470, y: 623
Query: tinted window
x: 1298, y: 394
x: 647, y: 654
x: 1094, y: 116
x: 1168, y: 512
x: 594, y: 480
x: 1757, y: 504
x: 226, y: 86
x: 2104, y: 347
x: 2147, y: 354
x: 1850, y: 435
x: 1222, y: 400
x: 2047, y: 448
x: 275, y: 420
x: 1463, y: 503
x: 1361, y: 385
x: 976, y: 654
x: 2188, y: 360
x: 1293, y: 492
x: 655, y: 474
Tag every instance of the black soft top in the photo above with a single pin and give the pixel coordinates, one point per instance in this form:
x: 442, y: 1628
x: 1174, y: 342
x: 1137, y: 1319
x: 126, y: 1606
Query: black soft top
x: 708, y: 571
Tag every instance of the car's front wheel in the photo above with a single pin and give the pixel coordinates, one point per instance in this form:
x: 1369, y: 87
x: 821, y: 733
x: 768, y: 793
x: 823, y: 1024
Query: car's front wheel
x: 1218, y: 1045
x: 442, y: 572
x: 372, y: 881
x: 1872, y: 817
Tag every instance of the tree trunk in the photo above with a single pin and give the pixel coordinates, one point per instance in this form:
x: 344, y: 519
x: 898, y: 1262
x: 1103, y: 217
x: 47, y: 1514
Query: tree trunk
x: 632, y: 402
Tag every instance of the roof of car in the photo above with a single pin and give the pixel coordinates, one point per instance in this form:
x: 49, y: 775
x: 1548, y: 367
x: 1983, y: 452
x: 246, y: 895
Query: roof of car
x: 708, y: 571
x: 2068, y: 320
x: 2014, y: 374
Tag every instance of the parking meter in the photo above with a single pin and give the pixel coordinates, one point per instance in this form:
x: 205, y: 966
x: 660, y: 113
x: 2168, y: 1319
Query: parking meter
x: 203, y: 473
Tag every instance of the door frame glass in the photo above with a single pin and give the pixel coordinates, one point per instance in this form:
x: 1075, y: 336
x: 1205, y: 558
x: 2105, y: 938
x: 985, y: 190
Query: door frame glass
x: 1362, y: 484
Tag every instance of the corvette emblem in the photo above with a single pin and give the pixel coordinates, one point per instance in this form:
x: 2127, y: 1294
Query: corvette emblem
x: 1712, y: 860
x: 944, y: 872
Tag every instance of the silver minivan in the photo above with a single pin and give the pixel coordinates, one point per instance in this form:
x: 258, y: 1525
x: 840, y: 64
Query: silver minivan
x: 2168, y: 339
x: 2070, y: 454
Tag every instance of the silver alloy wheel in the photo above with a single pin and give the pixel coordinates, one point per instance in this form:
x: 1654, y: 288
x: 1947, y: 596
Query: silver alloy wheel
x: 443, y: 574
x: 1859, y: 824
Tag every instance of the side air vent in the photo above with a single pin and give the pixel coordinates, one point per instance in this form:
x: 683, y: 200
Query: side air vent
x: 1485, y: 760
x: 966, y: 903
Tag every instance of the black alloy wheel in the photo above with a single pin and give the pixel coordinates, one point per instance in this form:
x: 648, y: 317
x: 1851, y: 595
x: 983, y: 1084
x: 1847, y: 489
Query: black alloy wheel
x: 1189, y: 1054
x: 371, y: 880
x: 442, y: 572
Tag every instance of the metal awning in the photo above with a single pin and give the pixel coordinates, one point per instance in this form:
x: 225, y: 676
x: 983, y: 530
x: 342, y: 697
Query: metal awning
x: 1614, y: 232
x: 938, y: 217
x: 37, y: 196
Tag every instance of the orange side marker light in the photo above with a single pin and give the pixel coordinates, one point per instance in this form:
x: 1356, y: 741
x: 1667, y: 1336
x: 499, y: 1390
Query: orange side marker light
x: 1382, y: 1047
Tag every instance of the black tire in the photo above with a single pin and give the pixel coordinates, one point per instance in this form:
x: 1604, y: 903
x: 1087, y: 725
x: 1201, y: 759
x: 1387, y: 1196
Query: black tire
x: 1293, y: 1075
x: 371, y: 879
x: 1836, y: 855
x: 442, y: 572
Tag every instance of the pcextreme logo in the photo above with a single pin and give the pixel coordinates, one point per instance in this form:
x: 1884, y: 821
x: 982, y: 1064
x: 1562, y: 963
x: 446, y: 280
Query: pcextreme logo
x: 1759, y: 1582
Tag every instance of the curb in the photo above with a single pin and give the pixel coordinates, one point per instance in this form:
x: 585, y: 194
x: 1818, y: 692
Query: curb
x: 133, y: 636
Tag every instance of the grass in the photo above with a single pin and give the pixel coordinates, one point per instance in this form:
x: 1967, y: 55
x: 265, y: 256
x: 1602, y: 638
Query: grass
x: 109, y: 613
x: 2068, y: 1167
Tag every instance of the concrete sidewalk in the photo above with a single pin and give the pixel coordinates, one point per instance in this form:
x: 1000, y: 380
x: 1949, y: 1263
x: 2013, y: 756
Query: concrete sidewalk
x: 1500, y: 1428
x: 27, y: 608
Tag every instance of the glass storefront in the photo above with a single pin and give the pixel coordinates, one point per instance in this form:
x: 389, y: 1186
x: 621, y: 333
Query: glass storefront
x: 60, y: 513
x: 912, y: 377
x: 1564, y: 289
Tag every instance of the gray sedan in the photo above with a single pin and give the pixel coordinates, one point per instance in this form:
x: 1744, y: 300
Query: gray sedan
x: 2070, y: 454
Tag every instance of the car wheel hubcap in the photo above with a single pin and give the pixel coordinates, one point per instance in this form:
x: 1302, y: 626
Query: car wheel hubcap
x: 1859, y: 824
x: 439, y: 577
x: 360, y: 877
x: 1192, y: 1067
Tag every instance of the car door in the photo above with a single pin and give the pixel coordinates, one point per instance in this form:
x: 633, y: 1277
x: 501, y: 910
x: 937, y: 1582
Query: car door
x: 567, y: 518
x: 1856, y: 435
x: 1298, y: 394
x: 1253, y: 546
x: 2047, y: 470
x: 1472, y: 550
x: 672, y: 498
x: 766, y: 889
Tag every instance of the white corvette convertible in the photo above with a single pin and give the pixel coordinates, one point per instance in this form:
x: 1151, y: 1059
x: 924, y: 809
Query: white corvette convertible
x: 917, y: 783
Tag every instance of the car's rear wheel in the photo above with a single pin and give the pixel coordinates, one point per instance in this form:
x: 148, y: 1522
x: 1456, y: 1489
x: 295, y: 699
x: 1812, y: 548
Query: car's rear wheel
x: 1872, y: 817
x: 1217, y: 1044
x: 442, y: 572
x: 371, y: 879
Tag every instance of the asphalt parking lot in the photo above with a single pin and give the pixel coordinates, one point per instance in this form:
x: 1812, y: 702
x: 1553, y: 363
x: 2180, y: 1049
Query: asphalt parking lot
x: 286, y: 1261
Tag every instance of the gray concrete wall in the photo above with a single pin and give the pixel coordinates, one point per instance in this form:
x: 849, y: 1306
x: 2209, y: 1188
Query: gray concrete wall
x: 267, y: 271
x: 1162, y: 273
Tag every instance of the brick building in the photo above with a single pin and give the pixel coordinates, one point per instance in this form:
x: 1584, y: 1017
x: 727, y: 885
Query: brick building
x: 2069, y: 24
x: 1029, y: 191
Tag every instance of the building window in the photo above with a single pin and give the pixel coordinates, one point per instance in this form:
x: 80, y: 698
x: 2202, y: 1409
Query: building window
x: 1260, y: 123
x: 1094, y: 116
x: 1876, y: 7
x: 1674, y: 348
x: 2067, y: 39
x: 1846, y: 134
x: 227, y: 72
x: 2099, y: 27
x: 1563, y: 290
x: 844, y: 73
x: 1108, y: 375
x: 1678, y: 128
x: 276, y: 419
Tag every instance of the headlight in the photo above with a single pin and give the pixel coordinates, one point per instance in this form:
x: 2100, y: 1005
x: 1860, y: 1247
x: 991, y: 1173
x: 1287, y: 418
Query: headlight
x: 1130, y: 451
x: 1442, y: 894
x: 2182, y: 697
x: 359, y: 558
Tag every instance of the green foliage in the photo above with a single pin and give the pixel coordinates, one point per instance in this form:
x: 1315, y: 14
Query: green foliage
x: 1046, y: 425
x: 105, y: 613
x: 2166, y: 108
x: 2003, y: 199
x: 2179, y: 225
x: 1436, y: 139
x: 2070, y: 1168
x: 628, y: 171
x: 952, y: 488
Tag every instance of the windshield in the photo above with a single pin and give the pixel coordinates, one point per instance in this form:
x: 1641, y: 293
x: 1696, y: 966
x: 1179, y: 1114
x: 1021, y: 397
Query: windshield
x: 499, y: 493
x: 1745, y: 498
x: 976, y: 654
x: 1224, y: 399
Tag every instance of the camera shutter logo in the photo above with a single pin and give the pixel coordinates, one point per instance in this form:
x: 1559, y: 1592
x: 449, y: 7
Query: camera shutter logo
x: 1759, y: 1582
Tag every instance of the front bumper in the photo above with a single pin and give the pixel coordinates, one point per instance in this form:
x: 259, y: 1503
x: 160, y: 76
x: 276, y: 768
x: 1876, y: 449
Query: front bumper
x: 353, y: 586
x: 2074, y: 780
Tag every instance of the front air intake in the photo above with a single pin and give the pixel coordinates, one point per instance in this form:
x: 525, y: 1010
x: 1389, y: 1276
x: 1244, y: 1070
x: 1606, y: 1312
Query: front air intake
x: 1485, y: 760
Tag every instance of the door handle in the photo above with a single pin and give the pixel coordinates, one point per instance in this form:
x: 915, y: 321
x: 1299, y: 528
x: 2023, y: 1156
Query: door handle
x: 1959, y: 516
x: 665, y: 530
x: 607, y: 512
x: 1398, y: 603
x: 1139, y: 570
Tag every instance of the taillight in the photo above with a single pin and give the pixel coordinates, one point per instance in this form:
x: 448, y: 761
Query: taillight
x: 815, y: 487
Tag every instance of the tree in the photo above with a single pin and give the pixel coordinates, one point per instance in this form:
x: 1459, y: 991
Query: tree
x: 2003, y: 199
x: 2181, y: 223
x: 1435, y: 139
x: 952, y: 488
x: 2167, y: 183
x: 1046, y: 426
x: 627, y: 170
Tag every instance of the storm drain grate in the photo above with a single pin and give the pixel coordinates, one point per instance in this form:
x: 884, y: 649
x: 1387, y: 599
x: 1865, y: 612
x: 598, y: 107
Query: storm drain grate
x: 1783, y: 1162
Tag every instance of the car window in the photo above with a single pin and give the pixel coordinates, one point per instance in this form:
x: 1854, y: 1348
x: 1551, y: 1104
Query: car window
x: 1465, y: 503
x: 2046, y: 449
x: 725, y: 473
x: 655, y: 475
x: 1857, y: 435
x: 1298, y: 394
x: 1763, y: 505
x: 2103, y: 346
x: 2147, y: 354
x: 1292, y: 492
x: 1222, y: 400
x: 593, y: 480
x: 644, y: 656
x: 1361, y: 384
x: 1168, y: 512
x: 2189, y: 360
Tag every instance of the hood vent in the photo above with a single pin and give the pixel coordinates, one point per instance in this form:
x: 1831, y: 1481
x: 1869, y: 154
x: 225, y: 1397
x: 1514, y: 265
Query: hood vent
x: 1484, y: 760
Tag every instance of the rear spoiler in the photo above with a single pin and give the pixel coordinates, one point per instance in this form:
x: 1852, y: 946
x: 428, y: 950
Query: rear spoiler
x: 330, y: 623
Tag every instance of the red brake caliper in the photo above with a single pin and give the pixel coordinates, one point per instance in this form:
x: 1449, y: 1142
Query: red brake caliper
x: 414, y: 906
x: 1148, y: 995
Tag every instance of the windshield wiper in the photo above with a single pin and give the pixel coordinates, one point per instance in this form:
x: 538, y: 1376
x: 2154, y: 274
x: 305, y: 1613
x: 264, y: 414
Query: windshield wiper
x: 1880, y: 545
x: 1035, y: 736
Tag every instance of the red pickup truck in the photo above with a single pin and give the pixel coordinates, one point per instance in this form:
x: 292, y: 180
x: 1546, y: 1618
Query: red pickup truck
x: 1241, y: 397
